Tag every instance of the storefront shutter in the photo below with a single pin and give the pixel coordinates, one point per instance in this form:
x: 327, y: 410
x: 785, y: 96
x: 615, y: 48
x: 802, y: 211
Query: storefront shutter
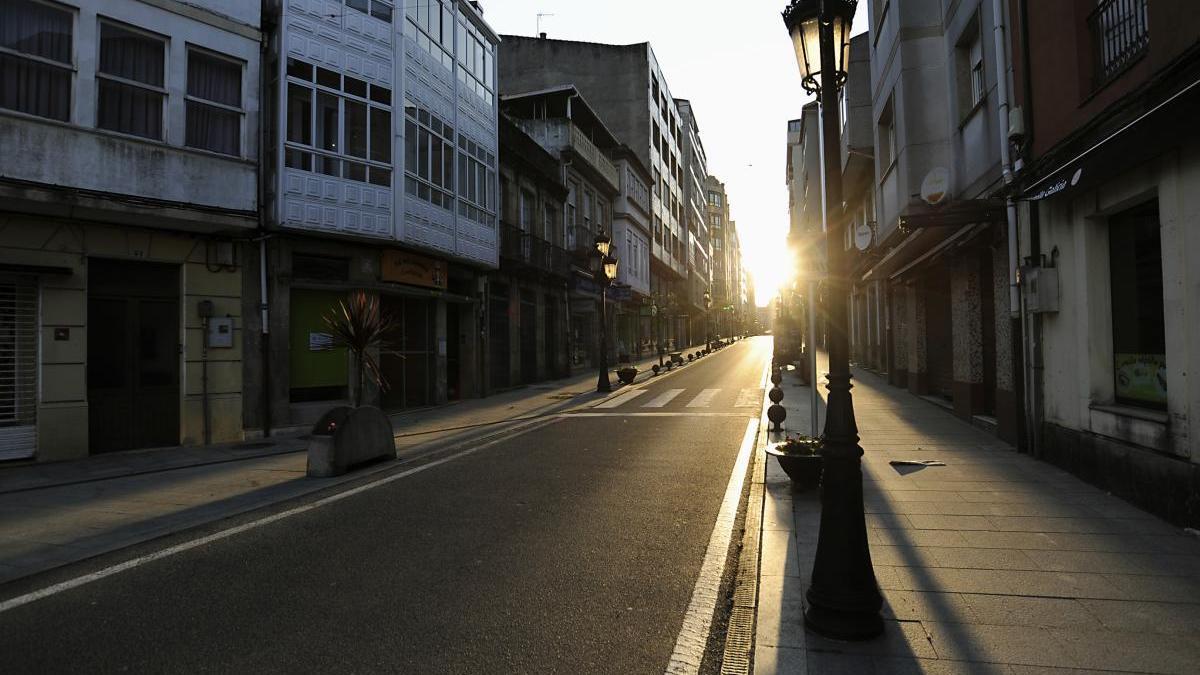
x: 18, y: 366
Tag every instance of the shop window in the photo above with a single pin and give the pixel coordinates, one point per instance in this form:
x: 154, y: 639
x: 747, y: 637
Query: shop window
x: 1139, y: 335
x: 18, y: 366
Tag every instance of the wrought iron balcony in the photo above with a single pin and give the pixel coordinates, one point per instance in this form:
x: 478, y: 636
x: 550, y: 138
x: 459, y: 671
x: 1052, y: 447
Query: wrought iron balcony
x: 528, y: 252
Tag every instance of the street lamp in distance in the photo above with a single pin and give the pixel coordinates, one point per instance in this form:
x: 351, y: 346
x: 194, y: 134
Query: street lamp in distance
x: 603, y: 263
x: 708, y: 320
x: 843, y: 598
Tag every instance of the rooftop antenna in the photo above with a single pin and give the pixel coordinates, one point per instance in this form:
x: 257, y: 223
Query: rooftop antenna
x: 539, y: 24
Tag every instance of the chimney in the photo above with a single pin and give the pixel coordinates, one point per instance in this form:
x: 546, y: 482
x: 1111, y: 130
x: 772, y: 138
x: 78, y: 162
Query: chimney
x: 542, y: 36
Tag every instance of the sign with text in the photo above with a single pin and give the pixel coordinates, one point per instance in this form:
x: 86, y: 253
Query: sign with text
x: 402, y: 267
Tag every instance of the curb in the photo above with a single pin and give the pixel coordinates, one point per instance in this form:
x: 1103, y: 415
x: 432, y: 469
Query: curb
x: 738, y: 655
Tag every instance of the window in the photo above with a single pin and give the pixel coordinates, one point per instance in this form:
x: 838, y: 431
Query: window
x: 588, y: 214
x: 429, y: 156
x: 968, y: 59
x: 36, y: 57
x: 528, y: 202
x: 552, y: 229
x: 714, y: 198
x: 338, y: 126
x: 377, y: 9
x: 1120, y: 36
x: 130, y: 81
x: 431, y: 25
x: 476, y: 181
x: 214, y: 103
x: 887, y: 138
x: 572, y: 214
x: 1139, y: 335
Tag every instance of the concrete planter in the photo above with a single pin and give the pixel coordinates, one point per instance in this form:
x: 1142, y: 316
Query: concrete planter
x: 803, y: 469
x: 320, y: 456
x: 626, y: 375
x: 347, y: 437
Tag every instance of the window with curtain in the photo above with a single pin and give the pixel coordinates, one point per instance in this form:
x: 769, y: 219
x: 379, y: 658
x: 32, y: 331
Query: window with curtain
x: 214, y: 103
x: 35, y: 59
x: 130, y: 81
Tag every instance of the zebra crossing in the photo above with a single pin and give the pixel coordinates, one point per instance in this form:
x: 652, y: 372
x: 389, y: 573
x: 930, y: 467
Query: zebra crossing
x: 708, y: 398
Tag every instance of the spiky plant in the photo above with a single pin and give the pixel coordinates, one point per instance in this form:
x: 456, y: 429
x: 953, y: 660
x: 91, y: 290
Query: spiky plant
x: 362, y: 327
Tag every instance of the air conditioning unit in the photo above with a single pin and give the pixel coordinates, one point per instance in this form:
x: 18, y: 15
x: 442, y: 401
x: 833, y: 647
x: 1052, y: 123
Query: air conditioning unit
x: 1040, y: 285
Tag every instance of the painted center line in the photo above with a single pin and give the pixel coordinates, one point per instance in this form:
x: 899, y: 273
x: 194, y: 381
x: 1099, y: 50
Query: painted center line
x: 741, y: 415
x: 704, y: 398
x: 622, y: 399
x: 663, y: 398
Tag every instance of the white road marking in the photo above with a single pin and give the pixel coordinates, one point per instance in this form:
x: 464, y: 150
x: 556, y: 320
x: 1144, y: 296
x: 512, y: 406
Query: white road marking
x: 622, y: 399
x: 55, y: 589
x: 654, y: 414
x: 697, y: 622
x: 749, y: 398
x: 663, y: 398
x: 704, y: 398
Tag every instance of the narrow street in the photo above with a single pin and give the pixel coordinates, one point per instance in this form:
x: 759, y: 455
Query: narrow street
x: 574, y: 547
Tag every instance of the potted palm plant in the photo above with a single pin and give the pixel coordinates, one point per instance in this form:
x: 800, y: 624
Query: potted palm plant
x: 800, y: 458
x: 349, y: 435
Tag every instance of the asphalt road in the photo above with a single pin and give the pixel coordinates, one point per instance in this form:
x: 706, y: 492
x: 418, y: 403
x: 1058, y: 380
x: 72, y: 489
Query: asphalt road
x: 571, y: 548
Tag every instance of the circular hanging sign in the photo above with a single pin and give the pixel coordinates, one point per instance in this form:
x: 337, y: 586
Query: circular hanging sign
x: 935, y: 189
x: 863, y: 234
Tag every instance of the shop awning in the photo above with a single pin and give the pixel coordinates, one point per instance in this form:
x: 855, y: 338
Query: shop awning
x: 1146, y: 136
x: 955, y: 214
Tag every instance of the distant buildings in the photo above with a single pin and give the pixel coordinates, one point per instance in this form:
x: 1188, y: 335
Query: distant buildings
x: 189, y: 189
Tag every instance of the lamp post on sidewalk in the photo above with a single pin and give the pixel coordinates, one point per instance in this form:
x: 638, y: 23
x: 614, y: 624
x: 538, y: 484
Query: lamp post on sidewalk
x: 707, y: 320
x: 603, y: 262
x: 843, y: 598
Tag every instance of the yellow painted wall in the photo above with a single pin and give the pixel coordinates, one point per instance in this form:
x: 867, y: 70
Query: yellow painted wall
x: 62, y: 409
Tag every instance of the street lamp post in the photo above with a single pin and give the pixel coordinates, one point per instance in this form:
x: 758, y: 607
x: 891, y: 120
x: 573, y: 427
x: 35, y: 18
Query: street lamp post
x: 707, y: 320
x: 603, y: 261
x: 843, y: 598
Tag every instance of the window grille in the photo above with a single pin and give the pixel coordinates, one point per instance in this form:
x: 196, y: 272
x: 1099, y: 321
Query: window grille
x: 1120, y: 36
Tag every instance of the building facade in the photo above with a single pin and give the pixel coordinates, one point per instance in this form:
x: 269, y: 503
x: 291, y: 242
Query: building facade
x: 560, y: 120
x: 381, y: 175
x: 129, y: 186
x: 1108, y: 94
x: 628, y: 90
x: 697, y: 243
x: 527, y: 298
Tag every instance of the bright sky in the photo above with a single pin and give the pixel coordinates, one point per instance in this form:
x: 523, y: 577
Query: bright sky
x: 737, y: 67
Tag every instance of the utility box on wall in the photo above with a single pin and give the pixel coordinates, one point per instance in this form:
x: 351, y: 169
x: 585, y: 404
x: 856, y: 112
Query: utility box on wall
x: 220, y: 332
x: 1040, y: 285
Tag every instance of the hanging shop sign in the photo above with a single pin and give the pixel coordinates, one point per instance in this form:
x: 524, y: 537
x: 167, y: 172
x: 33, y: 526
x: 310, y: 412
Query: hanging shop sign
x: 863, y: 234
x: 402, y: 267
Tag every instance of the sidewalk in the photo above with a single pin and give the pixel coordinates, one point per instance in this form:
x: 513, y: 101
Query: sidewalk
x: 55, y: 514
x: 994, y: 563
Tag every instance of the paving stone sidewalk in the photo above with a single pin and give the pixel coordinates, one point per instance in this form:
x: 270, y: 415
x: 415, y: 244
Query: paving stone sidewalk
x: 994, y: 563
x: 56, y: 514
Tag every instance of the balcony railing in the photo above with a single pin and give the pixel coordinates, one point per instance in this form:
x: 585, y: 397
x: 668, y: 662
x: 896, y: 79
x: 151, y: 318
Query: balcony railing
x: 533, y: 252
x: 1120, y: 36
x: 584, y: 147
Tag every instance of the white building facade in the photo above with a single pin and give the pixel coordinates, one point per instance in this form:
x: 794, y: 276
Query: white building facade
x: 383, y: 177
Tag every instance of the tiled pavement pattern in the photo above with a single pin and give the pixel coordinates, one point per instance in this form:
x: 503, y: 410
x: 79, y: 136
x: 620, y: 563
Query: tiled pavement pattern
x: 995, y: 563
x: 55, y: 514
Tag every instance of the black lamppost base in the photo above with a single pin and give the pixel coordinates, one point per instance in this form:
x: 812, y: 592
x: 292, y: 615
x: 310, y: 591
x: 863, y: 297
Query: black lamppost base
x: 842, y: 624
